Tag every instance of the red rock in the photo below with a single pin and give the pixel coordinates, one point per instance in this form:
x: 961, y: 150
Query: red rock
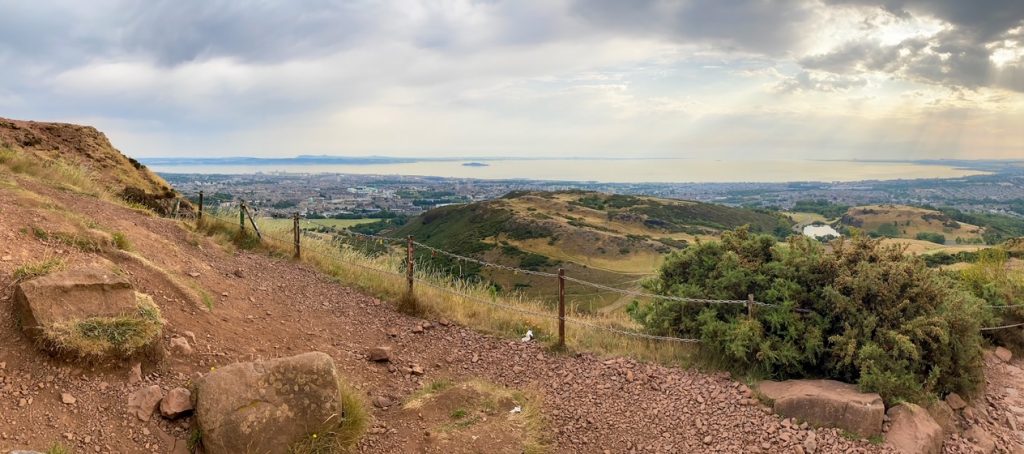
x: 955, y: 401
x: 379, y: 354
x: 176, y: 403
x: 1003, y: 354
x: 143, y: 403
x: 827, y: 403
x: 913, y: 430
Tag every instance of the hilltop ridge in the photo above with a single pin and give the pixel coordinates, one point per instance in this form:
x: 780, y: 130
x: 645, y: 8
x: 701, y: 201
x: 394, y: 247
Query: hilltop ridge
x: 89, y: 150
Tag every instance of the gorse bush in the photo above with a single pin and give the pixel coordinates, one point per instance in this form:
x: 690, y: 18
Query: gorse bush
x: 1001, y: 289
x: 874, y: 316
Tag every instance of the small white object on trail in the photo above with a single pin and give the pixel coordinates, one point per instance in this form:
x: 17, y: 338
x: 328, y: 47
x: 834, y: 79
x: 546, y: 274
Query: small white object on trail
x: 529, y: 336
x: 518, y: 409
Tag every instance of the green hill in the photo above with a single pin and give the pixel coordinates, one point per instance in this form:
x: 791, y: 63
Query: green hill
x: 614, y: 239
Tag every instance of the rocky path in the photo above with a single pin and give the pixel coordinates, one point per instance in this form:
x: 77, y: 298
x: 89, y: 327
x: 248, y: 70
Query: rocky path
x: 265, y: 307
x: 994, y: 422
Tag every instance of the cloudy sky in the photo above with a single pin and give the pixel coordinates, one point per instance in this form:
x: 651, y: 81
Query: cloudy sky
x: 691, y: 78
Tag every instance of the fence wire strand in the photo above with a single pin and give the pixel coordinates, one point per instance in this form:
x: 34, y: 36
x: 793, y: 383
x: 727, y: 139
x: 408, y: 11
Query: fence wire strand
x: 605, y: 288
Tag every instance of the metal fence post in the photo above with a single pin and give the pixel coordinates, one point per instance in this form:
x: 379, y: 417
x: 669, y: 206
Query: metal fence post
x: 409, y: 263
x: 298, y: 235
x: 561, y: 307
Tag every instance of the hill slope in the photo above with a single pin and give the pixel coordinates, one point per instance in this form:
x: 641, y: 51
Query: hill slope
x: 900, y: 221
x: 86, y: 149
x: 261, y: 306
x: 615, y: 239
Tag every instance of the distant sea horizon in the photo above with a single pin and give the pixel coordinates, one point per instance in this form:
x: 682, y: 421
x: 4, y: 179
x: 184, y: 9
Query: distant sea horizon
x: 601, y: 170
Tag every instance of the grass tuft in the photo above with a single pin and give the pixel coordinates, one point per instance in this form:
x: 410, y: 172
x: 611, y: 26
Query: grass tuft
x: 342, y: 434
x: 36, y: 269
x: 121, y: 241
x: 97, y: 337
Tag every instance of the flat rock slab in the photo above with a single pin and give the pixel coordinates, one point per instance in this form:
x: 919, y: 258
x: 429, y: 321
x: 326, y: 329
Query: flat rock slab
x: 827, y: 403
x: 76, y: 294
x: 913, y: 430
x: 268, y: 406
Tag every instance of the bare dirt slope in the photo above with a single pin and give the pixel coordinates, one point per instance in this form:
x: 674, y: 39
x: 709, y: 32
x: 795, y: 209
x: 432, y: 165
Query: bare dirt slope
x: 266, y: 307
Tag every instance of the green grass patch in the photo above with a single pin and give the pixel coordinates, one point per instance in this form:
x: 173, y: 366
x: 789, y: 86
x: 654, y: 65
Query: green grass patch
x: 97, y: 337
x: 121, y: 241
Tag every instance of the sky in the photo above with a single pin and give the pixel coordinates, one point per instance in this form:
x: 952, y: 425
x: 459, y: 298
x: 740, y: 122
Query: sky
x: 736, y: 79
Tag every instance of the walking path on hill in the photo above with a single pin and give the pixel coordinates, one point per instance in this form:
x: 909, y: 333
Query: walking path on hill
x: 267, y: 307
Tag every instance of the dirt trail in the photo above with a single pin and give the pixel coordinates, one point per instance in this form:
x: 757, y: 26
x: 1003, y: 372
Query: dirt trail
x: 268, y: 307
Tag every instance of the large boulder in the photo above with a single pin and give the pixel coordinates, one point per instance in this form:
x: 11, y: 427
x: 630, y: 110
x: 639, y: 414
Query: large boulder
x: 89, y: 312
x: 268, y: 406
x: 826, y: 403
x: 913, y: 430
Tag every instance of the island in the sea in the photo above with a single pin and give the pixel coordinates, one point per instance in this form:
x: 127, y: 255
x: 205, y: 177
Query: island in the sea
x: 475, y: 164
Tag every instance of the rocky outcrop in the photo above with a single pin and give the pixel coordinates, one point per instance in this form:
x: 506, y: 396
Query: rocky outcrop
x: 268, y: 406
x: 88, y: 312
x: 913, y: 431
x: 89, y: 149
x: 826, y: 403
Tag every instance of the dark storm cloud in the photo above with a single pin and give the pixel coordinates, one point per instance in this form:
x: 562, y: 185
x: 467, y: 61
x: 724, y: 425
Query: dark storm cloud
x: 984, y: 19
x: 763, y: 26
x: 959, y: 56
x: 172, y: 32
x: 262, y: 31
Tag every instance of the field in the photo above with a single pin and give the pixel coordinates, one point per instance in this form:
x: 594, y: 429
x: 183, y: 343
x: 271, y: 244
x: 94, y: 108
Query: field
x: 928, y: 247
x: 900, y: 221
x: 806, y: 218
x: 273, y: 224
x: 615, y: 240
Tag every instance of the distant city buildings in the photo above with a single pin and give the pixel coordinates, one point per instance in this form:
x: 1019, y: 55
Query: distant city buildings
x: 337, y: 195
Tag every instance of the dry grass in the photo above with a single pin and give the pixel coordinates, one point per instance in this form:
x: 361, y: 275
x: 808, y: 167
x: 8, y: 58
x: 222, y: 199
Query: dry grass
x: 36, y: 269
x: 341, y: 437
x: 64, y: 176
x: 459, y: 300
x: 101, y: 337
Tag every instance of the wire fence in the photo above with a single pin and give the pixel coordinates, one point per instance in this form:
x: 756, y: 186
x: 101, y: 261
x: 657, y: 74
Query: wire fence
x: 411, y: 277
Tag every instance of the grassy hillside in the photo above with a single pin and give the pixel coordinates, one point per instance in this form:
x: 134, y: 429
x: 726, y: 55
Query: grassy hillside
x: 88, y: 152
x: 900, y: 221
x: 613, y: 239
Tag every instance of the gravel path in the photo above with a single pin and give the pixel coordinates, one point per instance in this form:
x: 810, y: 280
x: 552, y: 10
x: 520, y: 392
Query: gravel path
x: 268, y: 307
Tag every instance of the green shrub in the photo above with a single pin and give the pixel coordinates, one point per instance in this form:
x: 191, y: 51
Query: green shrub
x: 1001, y: 289
x: 872, y: 315
x: 932, y: 236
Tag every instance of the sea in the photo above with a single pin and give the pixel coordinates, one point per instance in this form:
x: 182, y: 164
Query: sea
x: 613, y: 170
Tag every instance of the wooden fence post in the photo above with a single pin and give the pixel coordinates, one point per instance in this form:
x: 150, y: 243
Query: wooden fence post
x: 252, y: 221
x: 199, y: 216
x: 409, y: 263
x: 750, y: 305
x: 241, y: 216
x: 561, y: 308
x: 298, y: 235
